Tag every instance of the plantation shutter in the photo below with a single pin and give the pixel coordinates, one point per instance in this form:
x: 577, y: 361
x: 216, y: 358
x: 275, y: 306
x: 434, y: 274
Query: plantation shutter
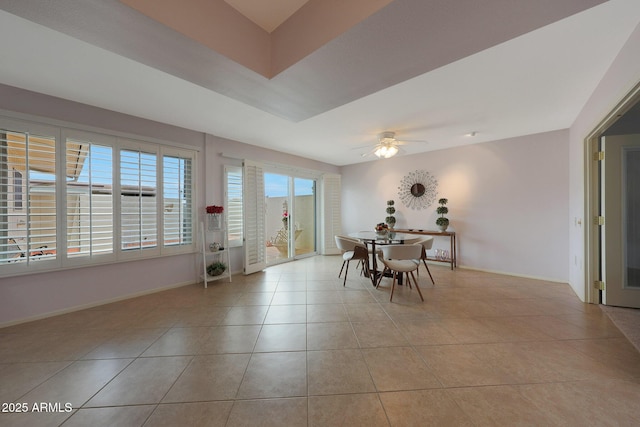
x: 331, y: 213
x: 254, y: 218
x: 233, y: 204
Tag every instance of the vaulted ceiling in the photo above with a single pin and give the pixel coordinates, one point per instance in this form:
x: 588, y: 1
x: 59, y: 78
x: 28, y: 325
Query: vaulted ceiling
x: 321, y: 79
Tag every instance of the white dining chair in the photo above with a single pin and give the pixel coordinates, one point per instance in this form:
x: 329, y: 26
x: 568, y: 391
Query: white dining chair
x: 426, y: 243
x: 400, y: 259
x: 352, y: 249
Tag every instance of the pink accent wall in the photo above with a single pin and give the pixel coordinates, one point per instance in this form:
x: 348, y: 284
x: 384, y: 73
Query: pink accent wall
x: 315, y: 24
x: 508, y: 201
x: 620, y: 79
x: 215, y: 24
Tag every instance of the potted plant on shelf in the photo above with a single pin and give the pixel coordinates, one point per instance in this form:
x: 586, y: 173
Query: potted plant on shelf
x: 390, y: 219
x: 216, y: 268
x: 442, y: 222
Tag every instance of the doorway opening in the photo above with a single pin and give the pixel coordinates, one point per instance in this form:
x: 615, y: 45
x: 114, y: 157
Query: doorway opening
x: 612, y: 234
x: 291, y: 217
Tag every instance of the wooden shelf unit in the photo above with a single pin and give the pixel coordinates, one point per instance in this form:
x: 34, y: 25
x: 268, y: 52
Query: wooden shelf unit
x: 453, y: 258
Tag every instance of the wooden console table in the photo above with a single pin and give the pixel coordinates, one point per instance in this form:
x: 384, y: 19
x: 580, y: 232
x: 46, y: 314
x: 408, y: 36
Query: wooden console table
x: 453, y: 259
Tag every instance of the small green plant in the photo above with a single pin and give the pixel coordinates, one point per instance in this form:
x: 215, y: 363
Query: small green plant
x: 216, y: 268
x: 390, y: 219
x: 442, y: 210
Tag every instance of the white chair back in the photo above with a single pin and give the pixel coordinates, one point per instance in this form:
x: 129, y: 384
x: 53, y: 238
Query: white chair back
x: 426, y: 242
x: 347, y: 243
x: 399, y: 252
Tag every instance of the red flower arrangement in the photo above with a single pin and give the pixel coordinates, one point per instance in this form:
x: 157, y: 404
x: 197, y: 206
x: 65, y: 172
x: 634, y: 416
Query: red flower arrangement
x: 215, y: 209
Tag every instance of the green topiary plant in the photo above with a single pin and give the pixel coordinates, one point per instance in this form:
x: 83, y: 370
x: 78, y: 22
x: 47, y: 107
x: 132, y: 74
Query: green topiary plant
x: 442, y: 222
x: 390, y: 219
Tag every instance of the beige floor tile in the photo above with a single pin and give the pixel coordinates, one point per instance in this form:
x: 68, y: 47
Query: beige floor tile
x: 327, y: 313
x: 178, y: 342
x: 291, y: 337
x: 246, y: 315
x: 77, y: 382
x: 424, y: 331
x: 323, y: 297
x: 275, y: 375
x: 201, y: 316
x: 507, y: 350
x: 338, y: 372
x: 515, y: 328
x: 423, y: 408
x: 466, y: 331
x: 399, y: 368
x: 197, y: 414
x: 327, y: 336
x: 230, y: 339
x: 288, y: 298
x: 499, y: 406
x: 34, y: 419
x: 597, y: 403
x: 286, y: 314
x: 365, y: 312
x: 216, y: 377
x: 121, y: 416
x: 363, y: 410
x: 290, y: 412
x: 44, y: 347
x: 16, y: 379
x: 357, y: 296
x: 457, y: 366
x: 144, y: 381
x: 125, y: 343
x: 291, y: 286
x: 255, y: 298
x: 378, y: 334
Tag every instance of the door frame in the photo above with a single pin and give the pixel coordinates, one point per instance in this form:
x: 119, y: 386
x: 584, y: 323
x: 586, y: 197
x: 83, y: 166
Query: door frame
x: 592, y: 267
x: 293, y: 173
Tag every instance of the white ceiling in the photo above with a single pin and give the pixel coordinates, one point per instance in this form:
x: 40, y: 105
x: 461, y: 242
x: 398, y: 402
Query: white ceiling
x: 535, y: 82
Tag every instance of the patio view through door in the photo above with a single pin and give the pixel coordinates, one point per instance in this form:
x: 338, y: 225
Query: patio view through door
x: 290, y: 217
x: 621, y: 211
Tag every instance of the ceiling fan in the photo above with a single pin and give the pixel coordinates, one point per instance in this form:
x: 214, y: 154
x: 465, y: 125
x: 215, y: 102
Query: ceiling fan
x: 387, y: 146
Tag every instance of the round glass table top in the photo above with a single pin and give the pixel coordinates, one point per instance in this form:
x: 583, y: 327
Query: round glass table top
x: 389, y: 236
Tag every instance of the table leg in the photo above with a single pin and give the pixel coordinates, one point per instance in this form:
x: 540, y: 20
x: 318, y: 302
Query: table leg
x: 452, y: 248
x: 374, y: 270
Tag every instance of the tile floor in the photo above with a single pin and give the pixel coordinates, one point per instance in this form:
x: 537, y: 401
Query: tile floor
x: 292, y: 347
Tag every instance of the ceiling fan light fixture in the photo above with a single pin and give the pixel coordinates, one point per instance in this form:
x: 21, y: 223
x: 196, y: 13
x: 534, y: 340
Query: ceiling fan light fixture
x: 386, y: 151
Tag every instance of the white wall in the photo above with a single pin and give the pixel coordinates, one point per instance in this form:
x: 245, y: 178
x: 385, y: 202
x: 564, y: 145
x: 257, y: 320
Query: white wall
x: 37, y: 295
x: 622, y: 76
x: 508, y: 201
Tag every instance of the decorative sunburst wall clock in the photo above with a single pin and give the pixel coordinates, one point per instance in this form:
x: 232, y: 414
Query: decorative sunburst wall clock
x: 418, y: 190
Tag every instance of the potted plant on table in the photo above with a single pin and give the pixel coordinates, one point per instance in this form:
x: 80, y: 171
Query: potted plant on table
x: 442, y: 222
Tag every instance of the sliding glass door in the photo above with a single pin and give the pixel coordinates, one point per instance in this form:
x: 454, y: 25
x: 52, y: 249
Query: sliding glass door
x: 290, y: 216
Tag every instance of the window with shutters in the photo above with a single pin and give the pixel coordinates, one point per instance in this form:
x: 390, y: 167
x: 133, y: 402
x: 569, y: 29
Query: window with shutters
x: 71, y: 198
x: 177, y: 199
x: 28, y: 232
x: 233, y: 203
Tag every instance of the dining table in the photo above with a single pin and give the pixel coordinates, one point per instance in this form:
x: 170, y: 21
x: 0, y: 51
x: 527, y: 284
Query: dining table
x: 373, y: 238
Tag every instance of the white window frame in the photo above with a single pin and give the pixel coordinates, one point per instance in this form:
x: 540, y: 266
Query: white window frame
x: 61, y: 260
